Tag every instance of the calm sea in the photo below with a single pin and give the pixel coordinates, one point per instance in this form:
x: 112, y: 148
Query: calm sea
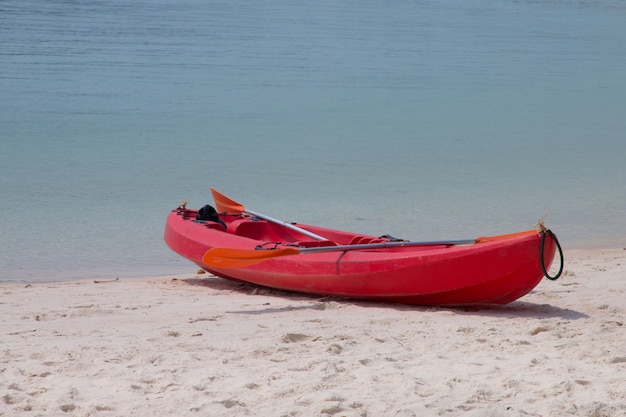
x: 423, y: 119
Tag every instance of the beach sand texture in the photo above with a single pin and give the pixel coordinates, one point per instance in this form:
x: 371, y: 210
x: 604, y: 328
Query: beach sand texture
x: 198, y: 345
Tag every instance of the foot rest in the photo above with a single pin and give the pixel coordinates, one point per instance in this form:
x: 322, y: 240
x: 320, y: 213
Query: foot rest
x: 314, y: 243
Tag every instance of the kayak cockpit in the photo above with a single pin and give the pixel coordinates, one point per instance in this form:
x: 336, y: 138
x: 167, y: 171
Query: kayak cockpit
x: 262, y: 230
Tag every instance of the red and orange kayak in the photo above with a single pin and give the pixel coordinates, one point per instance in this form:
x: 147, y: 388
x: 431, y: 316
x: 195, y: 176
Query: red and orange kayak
x: 244, y: 247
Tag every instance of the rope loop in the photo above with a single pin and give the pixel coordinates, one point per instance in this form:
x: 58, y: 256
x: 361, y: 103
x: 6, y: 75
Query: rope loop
x: 545, y: 232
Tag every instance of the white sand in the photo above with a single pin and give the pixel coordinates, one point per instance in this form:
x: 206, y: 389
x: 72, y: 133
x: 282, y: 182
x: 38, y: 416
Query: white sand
x: 203, y: 346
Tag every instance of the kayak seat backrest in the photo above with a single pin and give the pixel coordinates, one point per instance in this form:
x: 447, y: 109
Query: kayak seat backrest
x: 253, y: 229
x: 362, y: 240
x: 355, y: 240
x: 232, y: 226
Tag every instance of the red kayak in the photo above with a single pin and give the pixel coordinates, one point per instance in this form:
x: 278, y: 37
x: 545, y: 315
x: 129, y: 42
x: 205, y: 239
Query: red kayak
x: 242, y: 245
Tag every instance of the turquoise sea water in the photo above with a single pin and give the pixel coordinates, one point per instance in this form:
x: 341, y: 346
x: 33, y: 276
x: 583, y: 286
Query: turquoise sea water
x: 422, y: 119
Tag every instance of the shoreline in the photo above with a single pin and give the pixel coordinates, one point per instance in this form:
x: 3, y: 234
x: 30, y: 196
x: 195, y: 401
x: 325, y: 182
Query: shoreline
x: 196, y: 345
x: 185, y: 271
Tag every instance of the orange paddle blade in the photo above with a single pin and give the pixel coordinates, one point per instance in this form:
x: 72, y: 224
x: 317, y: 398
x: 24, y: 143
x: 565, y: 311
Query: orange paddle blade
x: 235, y: 258
x: 502, y: 237
x: 225, y: 204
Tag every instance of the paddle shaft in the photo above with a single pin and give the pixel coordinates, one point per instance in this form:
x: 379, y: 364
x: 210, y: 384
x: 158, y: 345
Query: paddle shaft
x: 383, y: 245
x: 403, y: 243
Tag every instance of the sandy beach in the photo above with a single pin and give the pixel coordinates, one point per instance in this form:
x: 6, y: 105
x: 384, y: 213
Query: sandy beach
x: 197, y: 345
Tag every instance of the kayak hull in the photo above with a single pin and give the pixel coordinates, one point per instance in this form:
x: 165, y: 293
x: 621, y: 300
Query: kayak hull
x: 497, y: 271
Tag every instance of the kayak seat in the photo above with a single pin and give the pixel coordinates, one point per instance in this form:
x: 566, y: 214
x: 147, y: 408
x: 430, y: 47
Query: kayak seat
x: 257, y: 230
x: 379, y: 240
x: 363, y: 240
x: 250, y: 228
x: 232, y: 226
x: 355, y: 240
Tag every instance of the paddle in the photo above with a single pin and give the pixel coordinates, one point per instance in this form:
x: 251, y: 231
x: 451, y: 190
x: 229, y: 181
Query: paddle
x: 235, y: 258
x: 227, y: 205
